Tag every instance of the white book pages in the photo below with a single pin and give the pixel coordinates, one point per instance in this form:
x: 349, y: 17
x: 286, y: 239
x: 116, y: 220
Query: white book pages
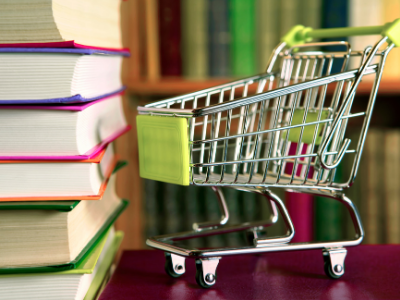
x: 38, y: 76
x: 35, y: 132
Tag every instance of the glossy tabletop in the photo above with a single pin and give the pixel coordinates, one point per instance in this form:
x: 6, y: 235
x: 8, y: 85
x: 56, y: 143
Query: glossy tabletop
x: 372, y: 272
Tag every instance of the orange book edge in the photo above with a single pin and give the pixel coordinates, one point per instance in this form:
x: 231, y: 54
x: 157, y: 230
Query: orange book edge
x: 96, y: 159
x: 82, y: 197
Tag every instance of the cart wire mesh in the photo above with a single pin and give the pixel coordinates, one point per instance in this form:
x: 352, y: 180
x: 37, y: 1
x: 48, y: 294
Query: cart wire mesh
x: 285, y: 128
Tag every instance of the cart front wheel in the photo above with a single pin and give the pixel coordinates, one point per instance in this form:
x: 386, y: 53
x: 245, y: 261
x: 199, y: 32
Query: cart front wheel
x: 174, y: 267
x: 334, y: 262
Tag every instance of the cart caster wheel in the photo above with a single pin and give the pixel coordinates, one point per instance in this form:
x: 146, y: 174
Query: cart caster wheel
x: 206, y: 273
x: 334, y: 262
x: 253, y: 234
x: 328, y: 270
x: 200, y: 278
x: 250, y: 238
x: 174, y: 265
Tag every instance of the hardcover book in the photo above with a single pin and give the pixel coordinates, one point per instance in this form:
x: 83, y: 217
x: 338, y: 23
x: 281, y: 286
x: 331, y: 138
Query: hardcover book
x: 243, y: 34
x: 80, y: 283
x: 90, y: 22
x: 58, y: 75
x: 48, y: 240
x: 40, y: 180
x: 169, y: 27
x: 60, y: 132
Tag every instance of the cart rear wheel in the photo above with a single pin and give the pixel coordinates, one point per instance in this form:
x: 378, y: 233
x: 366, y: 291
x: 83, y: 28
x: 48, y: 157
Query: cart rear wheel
x: 200, y: 277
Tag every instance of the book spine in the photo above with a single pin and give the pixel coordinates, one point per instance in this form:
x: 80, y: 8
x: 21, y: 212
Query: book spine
x: 151, y: 39
x: 391, y: 185
x: 390, y: 11
x: 248, y: 212
x: 335, y: 14
x: 232, y: 199
x: 289, y: 15
x: 218, y: 38
x: 372, y: 189
x: 354, y: 192
x: 310, y: 13
x: 212, y: 213
x: 248, y: 206
x: 169, y: 16
x: 192, y: 211
x: 170, y: 208
x: 300, y: 208
x: 363, y: 13
x: 194, y: 38
x: 242, y: 25
x: 328, y: 215
x: 151, y: 208
x: 267, y: 34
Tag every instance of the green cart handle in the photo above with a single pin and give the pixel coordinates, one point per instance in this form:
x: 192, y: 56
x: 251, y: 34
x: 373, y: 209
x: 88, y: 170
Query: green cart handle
x: 300, y: 34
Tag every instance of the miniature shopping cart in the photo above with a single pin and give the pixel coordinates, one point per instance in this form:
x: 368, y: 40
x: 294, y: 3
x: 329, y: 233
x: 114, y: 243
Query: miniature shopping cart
x: 242, y: 135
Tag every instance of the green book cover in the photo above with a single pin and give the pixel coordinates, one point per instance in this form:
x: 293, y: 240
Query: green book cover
x: 191, y: 211
x: 194, y: 38
x: 243, y: 32
x: 86, y: 265
x: 84, y: 253
x: 329, y: 215
x: 213, y: 213
x: 92, y: 264
x: 64, y: 206
x: 151, y: 191
x: 104, y: 267
x: 232, y: 196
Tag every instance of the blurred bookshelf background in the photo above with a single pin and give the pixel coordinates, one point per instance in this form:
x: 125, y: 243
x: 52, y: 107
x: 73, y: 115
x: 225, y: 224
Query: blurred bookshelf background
x: 180, y: 46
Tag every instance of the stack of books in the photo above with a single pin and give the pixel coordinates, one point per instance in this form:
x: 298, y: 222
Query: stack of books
x: 60, y: 111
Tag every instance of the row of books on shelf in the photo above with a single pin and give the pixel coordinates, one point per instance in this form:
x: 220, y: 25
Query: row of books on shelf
x: 376, y: 194
x: 60, y: 112
x: 233, y: 38
x: 377, y: 191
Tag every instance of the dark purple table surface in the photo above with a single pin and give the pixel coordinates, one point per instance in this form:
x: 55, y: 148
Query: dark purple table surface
x: 372, y: 272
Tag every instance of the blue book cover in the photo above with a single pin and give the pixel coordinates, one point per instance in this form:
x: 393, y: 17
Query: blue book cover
x: 335, y: 13
x: 218, y: 44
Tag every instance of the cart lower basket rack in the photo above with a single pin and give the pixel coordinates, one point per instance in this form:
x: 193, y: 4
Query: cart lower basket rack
x: 238, y: 135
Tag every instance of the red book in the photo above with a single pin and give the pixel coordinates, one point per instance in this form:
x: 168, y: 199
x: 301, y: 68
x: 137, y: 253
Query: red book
x: 300, y: 206
x: 169, y: 14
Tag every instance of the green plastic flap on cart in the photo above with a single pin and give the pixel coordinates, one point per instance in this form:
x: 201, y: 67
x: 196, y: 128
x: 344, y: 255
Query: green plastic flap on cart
x: 308, y: 133
x: 163, y: 149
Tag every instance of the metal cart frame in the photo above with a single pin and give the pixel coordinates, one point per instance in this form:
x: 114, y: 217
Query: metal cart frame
x: 288, y: 107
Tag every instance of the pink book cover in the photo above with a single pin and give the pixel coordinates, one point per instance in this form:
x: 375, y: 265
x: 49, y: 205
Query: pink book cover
x: 63, y: 44
x: 92, y: 153
x: 300, y: 206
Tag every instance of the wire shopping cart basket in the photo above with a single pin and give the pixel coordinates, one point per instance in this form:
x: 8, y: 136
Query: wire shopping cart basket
x: 238, y: 135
